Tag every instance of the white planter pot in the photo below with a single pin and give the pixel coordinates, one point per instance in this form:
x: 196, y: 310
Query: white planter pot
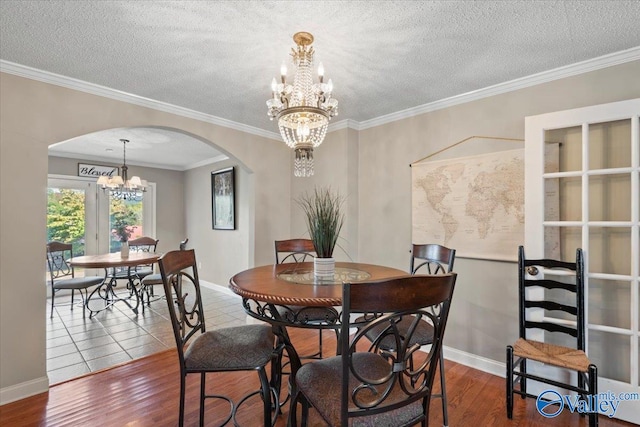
x: 124, y: 250
x: 324, y: 268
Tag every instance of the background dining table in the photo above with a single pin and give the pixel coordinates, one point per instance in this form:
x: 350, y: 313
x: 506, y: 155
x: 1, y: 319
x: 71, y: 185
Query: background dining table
x: 106, y: 291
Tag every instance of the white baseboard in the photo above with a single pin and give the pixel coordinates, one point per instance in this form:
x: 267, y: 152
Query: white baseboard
x: 474, y: 361
x: 24, y: 390
x: 218, y: 288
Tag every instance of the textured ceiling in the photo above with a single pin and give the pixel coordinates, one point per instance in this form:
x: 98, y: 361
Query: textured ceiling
x: 219, y: 57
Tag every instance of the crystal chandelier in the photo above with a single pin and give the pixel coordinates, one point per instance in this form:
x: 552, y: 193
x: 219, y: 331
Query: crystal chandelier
x: 303, y: 110
x: 121, y: 187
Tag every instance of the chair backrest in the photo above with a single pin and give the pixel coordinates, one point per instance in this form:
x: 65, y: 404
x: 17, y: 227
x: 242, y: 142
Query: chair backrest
x: 567, y: 289
x: 391, y: 382
x: 435, y: 259
x: 182, y: 290
x: 296, y: 250
x: 143, y: 244
x: 57, y: 265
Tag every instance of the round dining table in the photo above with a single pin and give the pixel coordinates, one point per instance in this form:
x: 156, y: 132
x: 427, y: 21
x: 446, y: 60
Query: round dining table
x: 106, y: 292
x: 289, y: 295
x: 295, y: 283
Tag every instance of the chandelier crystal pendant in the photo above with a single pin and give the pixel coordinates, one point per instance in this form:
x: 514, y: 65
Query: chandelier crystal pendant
x: 121, y: 187
x: 303, y: 109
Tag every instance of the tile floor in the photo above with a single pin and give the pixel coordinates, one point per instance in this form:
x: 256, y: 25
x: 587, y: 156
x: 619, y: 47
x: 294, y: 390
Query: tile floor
x: 77, y: 345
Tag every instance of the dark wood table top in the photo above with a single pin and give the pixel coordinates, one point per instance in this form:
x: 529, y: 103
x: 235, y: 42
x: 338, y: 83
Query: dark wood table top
x: 293, y: 284
x: 114, y: 260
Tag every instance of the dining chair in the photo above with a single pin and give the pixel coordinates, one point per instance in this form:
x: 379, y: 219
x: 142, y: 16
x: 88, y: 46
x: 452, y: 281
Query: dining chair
x: 426, y: 259
x: 149, y: 282
x: 131, y: 274
x: 238, y: 348
x: 296, y: 251
x: 366, y: 386
x: 561, y: 291
x: 62, y: 275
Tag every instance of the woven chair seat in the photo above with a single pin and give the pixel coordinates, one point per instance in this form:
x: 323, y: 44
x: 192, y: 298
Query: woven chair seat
x: 551, y: 354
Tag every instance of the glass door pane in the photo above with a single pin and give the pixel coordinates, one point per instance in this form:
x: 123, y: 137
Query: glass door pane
x: 590, y: 197
x: 71, y: 213
x: 125, y: 221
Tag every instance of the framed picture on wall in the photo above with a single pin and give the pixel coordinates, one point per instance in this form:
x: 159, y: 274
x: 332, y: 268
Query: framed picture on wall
x: 223, y: 199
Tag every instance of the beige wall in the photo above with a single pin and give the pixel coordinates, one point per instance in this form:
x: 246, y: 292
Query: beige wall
x: 483, y: 318
x: 34, y: 115
x: 370, y: 167
x: 336, y: 166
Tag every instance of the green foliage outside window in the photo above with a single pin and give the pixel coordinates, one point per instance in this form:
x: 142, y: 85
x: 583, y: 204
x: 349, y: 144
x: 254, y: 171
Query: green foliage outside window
x: 125, y: 219
x: 65, y: 218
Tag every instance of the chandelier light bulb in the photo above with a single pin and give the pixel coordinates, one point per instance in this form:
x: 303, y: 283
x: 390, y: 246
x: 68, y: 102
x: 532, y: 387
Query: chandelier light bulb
x: 302, y: 108
x: 120, y: 187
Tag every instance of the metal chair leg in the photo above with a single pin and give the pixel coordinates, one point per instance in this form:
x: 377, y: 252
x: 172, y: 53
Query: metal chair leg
x: 443, y: 392
x: 182, y: 393
x: 203, y: 377
x: 266, y: 395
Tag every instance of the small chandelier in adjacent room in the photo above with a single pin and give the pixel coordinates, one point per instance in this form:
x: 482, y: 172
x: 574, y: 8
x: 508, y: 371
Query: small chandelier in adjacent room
x: 303, y: 110
x: 121, y: 187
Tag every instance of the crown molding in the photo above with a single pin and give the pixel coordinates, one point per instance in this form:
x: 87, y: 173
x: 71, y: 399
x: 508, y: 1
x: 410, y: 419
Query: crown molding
x: 605, y: 61
x: 344, y: 124
x: 94, y: 89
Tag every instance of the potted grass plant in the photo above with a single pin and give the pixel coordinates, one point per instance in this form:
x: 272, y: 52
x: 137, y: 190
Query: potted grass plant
x: 324, y: 217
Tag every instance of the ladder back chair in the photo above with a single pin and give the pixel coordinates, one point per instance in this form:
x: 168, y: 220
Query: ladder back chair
x: 238, y: 348
x: 364, y: 386
x: 430, y: 259
x: 62, y: 275
x: 149, y: 282
x: 570, y: 281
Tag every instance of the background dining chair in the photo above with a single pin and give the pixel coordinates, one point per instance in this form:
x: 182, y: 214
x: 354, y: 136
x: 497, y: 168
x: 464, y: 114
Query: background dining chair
x: 372, y: 387
x: 425, y: 259
x: 571, y: 309
x: 294, y: 250
x: 62, y: 275
x: 149, y: 282
x: 297, y: 251
x: 239, y: 348
x: 131, y: 274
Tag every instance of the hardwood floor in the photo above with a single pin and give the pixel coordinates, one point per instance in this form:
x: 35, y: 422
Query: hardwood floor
x: 145, y: 392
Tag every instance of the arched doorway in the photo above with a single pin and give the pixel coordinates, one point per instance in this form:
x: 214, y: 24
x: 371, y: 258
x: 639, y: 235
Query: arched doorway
x: 179, y: 165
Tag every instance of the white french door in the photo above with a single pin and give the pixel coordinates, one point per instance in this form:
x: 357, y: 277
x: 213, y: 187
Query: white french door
x: 72, y: 213
x: 582, y: 190
x: 79, y: 212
